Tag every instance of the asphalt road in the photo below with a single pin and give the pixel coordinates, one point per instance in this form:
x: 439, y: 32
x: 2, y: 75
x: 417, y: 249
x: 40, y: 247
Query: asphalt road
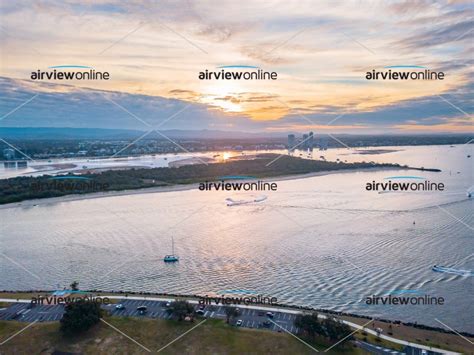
x: 374, y: 349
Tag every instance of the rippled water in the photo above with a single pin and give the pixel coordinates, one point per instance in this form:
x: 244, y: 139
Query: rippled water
x: 323, y: 241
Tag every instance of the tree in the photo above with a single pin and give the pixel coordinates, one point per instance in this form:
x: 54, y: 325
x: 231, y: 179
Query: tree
x: 309, y: 324
x: 335, y: 329
x: 80, y: 316
x: 74, y: 286
x: 230, y: 312
x: 180, y: 309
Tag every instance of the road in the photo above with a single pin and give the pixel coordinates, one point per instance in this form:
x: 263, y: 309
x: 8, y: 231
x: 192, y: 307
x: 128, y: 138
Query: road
x: 374, y: 349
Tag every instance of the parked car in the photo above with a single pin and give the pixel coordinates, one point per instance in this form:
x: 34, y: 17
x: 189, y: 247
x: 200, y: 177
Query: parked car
x: 270, y: 315
x: 267, y: 324
x: 119, y: 307
x: 239, y: 323
x: 142, y: 309
x: 200, y: 311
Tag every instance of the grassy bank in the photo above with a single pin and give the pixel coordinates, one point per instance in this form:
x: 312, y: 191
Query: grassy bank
x: 211, y: 337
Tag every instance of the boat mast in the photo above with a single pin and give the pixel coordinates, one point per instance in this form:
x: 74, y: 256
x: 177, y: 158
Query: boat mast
x: 172, y: 245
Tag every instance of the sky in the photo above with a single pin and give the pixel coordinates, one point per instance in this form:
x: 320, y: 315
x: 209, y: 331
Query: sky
x: 320, y: 50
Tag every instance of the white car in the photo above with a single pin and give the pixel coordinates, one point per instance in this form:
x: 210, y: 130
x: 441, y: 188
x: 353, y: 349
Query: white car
x: 239, y: 323
x: 119, y: 306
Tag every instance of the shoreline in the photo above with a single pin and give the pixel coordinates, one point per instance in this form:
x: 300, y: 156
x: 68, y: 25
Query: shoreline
x: 182, y: 187
x: 275, y: 307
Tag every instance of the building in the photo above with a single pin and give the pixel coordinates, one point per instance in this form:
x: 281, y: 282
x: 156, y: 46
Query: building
x: 9, y: 154
x: 323, y: 145
x: 304, y: 143
x: 307, y: 142
x: 310, y: 141
x: 291, y: 141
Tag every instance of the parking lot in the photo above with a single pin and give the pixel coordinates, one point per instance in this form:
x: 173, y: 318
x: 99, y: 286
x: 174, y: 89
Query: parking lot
x: 25, y: 312
x: 251, y: 318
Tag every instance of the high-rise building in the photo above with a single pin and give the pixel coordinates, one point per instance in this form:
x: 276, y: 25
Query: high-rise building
x: 291, y: 141
x: 304, y: 143
x: 9, y: 154
x: 311, y: 141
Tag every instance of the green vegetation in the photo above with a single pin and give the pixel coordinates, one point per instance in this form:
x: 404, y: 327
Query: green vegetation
x: 79, y: 317
x: 230, y: 313
x: 312, y: 328
x: 181, y: 309
x: 74, y: 286
x: 26, y: 188
x: 212, y: 337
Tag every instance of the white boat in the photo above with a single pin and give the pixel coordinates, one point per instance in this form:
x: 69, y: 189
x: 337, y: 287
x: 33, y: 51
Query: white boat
x: 231, y: 202
x: 172, y: 257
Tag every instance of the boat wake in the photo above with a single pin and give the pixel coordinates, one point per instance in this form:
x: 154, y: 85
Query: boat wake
x: 450, y: 270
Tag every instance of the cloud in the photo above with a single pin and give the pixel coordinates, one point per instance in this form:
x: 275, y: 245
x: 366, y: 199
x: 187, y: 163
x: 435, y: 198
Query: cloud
x: 317, y: 51
x: 456, y: 32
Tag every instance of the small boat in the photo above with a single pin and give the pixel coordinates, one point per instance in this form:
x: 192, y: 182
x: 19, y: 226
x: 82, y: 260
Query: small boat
x: 172, y: 257
x: 450, y: 270
x: 231, y: 202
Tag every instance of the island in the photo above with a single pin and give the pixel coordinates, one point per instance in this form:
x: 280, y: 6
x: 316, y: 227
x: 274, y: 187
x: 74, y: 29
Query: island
x: 259, y: 166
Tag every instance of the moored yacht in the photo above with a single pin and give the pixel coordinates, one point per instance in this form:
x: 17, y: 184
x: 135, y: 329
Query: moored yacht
x: 172, y: 257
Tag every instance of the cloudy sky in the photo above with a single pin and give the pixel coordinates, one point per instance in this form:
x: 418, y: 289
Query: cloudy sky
x: 154, y: 51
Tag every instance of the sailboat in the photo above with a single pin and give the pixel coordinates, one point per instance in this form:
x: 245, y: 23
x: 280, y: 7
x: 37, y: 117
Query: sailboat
x: 172, y: 257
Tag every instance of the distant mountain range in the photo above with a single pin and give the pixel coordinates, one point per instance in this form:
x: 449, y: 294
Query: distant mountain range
x: 102, y: 133
x: 353, y: 140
